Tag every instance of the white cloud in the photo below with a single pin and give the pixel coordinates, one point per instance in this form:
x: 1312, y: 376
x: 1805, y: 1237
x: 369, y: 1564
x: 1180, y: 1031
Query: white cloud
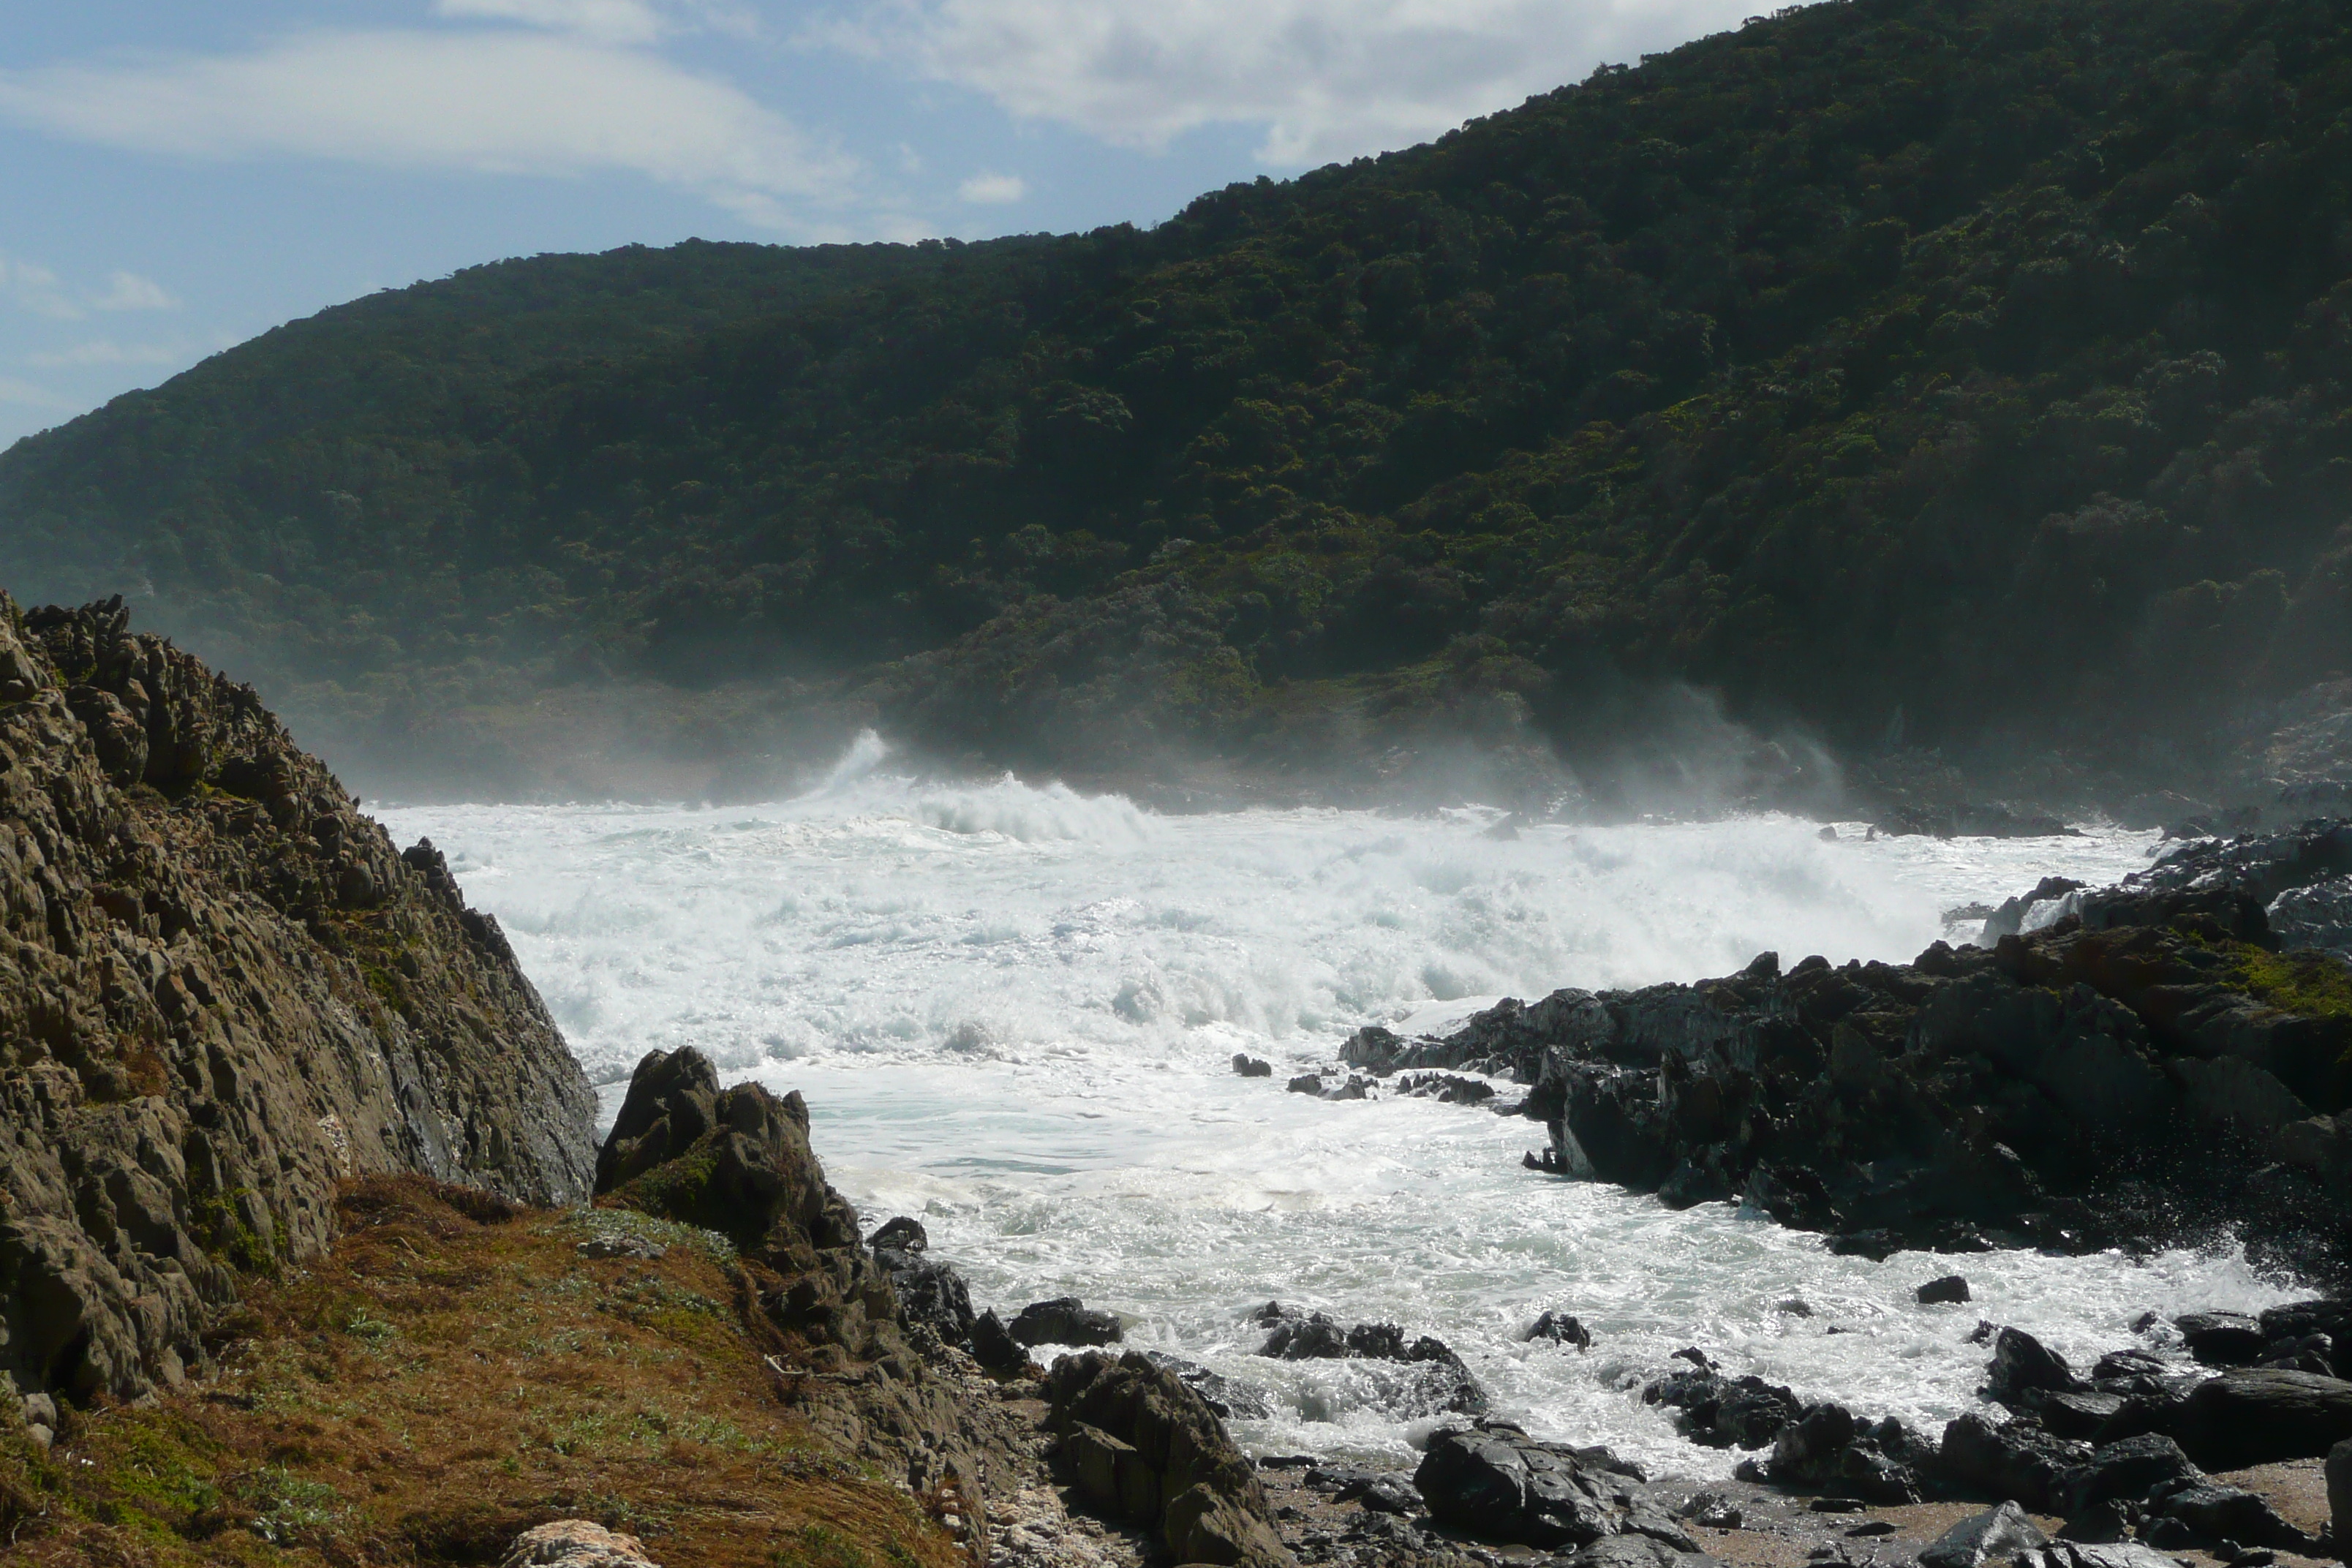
x: 990, y: 189
x: 1327, y: 78
x: 611, y: 21
x: 489, y: 102
x: 106, y: 351
x: 129, y: 292
x: 24, y: 393
x: 36, y: 288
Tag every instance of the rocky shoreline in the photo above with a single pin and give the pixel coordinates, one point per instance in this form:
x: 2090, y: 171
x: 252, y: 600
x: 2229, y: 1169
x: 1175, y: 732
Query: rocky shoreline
x: 2132, y: 1066
x: 234, y: 1013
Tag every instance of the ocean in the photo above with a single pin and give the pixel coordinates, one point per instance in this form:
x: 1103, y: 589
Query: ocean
x: 1012, y: 1007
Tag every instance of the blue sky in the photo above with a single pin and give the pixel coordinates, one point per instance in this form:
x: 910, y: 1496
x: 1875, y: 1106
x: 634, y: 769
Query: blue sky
x: 174, y: 179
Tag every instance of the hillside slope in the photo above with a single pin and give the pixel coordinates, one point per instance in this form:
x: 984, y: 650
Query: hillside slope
x: 223, y: 992
x: 1925, y: 368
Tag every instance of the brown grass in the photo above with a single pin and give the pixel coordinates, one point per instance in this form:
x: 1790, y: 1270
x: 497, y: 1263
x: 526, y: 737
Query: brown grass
x: 455, y: 1373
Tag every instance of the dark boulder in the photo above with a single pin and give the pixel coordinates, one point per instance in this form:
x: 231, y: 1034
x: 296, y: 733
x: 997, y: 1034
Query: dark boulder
x: 2125, y: 1471
x: 1997, y: 1534
x: 1315, y: 1337
x: 1145, y: 1445
x: 2210, y: 1511
x: 1252, y: 1067
x: 1560, y: 1328
x: 1306, y: 1083
x: 2017, y: 1461
x: 1826, y: 1449
x: 993, y: 1346
x: 931, y: 1296
x: 901, y: 1235
x: 2023, y: 1365
x: 1065, y: 1320
x: 1495, y: 1482
x: 2080, y: 1414
x: 1229, y: 1400
x: 747, y: 1172
x: 1937, y: 1292
x: 2262, y: 1415
x: 1439, y: 1380
x: 2221, y: 1339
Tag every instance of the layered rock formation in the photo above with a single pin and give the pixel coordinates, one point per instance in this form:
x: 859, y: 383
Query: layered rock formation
x: 2158, y: 1045
x: 222, y: 992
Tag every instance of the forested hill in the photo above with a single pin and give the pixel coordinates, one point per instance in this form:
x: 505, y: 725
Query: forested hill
x: 1983, y: 359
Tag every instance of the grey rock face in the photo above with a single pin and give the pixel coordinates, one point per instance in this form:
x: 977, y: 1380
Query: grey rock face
x: 1999, y: 1533
x: 222, y: 992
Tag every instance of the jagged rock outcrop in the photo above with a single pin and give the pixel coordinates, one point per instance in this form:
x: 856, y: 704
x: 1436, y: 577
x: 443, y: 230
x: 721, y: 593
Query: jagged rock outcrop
x: 737, y: 1161
x: 222, y: 992
x: 1138, y: 1440
x: 2155, y: 1044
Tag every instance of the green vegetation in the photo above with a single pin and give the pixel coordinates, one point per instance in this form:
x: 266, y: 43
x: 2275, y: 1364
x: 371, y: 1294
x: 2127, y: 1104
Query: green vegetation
x: 452, y: 1374
x: 1981, y: 360
x: 2313, y: 984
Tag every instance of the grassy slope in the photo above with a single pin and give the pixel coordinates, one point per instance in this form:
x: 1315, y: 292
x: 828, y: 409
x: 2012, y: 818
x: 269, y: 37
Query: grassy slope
x: 454, y: 1373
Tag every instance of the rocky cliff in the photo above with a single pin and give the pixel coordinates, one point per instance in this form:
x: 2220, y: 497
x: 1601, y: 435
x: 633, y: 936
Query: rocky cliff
x: 223, y: 991
x: 2167, y: 1057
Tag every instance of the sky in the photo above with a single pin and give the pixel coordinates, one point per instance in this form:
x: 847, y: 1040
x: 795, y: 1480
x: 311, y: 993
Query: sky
x: 175, y: 179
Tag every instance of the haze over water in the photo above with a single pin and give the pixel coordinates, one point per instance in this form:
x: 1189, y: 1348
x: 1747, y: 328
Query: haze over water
x: 1012, y: 1008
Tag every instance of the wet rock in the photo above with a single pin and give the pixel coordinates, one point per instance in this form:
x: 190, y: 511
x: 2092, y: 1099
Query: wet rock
x: 1248, y: 1066
x: 2016, y: 1459
x: 1495, y: 1481
x: 2221, y: 1339
x: 1227, y: 1399
x: 1826, y: 1449
x: 2023, y: 1365
x: 2339, y: 1495
x: 903, y: 1233
x: 1713, y: 1510
x: 2214, y: 1512
x: 1158, y: 1454
x: 2117, y: 1365
x: 2079, y: 1415
x: 2100, y: 1523
x: 2262, y: 1415
x: 1560, y: 1328
x: 1306, y: 1083
x: 931, y: 1294
x: 1936, y: 1293
x: 1997, y: 1533
x: 2126, y: 1470
x: 993, y: 1346
x: 1065, y: 1320
x: 2084, y: 1554
x: 1446, y: 1088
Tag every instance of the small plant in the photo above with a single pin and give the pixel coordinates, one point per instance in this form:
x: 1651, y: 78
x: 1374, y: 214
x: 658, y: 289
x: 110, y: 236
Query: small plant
x: 290, y: 1509
x: 370, y: 1329
x: 822, y: 1546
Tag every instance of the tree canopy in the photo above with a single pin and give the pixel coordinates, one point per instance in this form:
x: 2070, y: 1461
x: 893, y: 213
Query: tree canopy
x: 1981, y: 362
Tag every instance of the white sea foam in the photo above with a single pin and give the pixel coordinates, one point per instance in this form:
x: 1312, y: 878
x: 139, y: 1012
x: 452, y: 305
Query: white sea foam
x: 1011, y: 1007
